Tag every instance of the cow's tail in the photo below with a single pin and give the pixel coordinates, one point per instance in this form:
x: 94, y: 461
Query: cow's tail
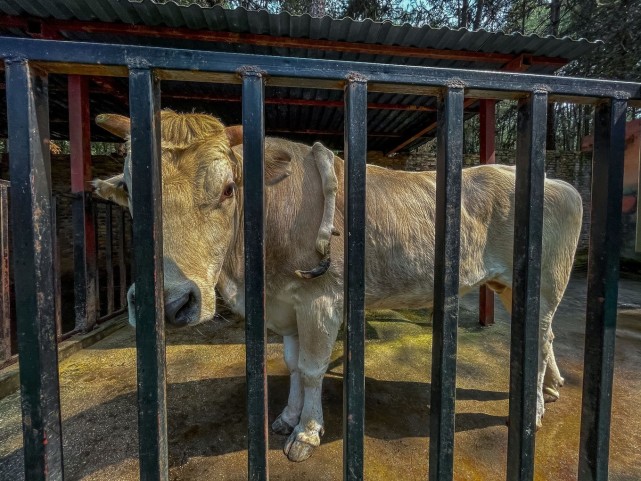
x: 324, y: 160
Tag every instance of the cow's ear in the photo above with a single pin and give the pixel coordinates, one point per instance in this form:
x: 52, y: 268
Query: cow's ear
x: 278, y: 165
x: 234, y: 134
x: 113, y: 189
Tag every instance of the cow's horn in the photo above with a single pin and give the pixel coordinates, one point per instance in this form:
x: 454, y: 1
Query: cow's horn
x: 317, y: 271
x: 116, y: 124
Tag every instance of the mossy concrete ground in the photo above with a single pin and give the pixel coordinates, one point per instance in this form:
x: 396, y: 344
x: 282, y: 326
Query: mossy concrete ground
x: 206, y: 402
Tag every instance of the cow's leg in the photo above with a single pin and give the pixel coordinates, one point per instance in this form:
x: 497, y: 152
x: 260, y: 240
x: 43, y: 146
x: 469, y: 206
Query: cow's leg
x: 318, y: 322
x: 553, y: 379
x: 285, y: 422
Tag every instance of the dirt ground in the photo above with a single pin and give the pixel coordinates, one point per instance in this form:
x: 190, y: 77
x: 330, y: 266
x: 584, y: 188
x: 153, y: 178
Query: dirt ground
x: 206, y: 402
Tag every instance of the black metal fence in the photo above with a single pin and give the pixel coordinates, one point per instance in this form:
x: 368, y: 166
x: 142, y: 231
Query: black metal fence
x: 27, y: 63
x: 112, y: 265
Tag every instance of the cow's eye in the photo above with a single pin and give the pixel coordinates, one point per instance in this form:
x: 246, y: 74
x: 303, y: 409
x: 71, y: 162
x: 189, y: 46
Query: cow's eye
x: 229, y: 191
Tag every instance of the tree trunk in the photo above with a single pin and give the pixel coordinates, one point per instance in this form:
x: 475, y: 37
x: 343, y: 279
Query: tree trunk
x: 479, y: 14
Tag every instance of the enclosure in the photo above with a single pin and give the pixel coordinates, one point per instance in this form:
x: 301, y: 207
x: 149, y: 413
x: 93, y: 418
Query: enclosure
x: 29, y: 62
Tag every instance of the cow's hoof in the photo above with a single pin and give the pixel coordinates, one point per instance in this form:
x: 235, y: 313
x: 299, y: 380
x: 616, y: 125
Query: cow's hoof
x: 280, y: 426
x: 550, y: 394
x: 301, y: 445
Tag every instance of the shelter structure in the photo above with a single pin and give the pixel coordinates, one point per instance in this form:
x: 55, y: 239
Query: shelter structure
x: 396, y: 122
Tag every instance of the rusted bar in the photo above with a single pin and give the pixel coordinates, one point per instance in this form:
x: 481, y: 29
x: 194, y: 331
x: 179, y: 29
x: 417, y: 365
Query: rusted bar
x: 603, y: 275
x: 109, y: 266
x: 354, y: 275
x: 253, y: 191
x: 449, y: 164
x: 84, y: 233
x: 5, y: 294
x: 528, y: 235
x: 146, y: 204
x: 122, y: 268
x: 28, y: 113
x: 487, y: 156
x: 55, y: 246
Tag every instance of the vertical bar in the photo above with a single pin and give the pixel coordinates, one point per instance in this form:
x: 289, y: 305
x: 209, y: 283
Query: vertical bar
x: 5, y: 294
x: 449, y: 165
x: 603, y: 274
x: 528, y: 228
x: 84, y: 236
x: 109, y: 266
x: 56, y: 266
x: 28, y: 122
x: 144, y: 95
x: 487, y: 110
x: 95, y: 215
x: 354, y: 275
x: 253, y: 180
x: 122, y: 268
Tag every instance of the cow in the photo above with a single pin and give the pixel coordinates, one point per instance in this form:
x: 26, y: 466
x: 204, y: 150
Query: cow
x: 202, y: 201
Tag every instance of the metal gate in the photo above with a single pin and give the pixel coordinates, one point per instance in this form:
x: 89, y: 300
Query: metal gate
x: 27, y: 63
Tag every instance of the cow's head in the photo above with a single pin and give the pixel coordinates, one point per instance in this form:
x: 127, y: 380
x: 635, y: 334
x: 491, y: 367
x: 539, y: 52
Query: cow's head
x: 201, y: 183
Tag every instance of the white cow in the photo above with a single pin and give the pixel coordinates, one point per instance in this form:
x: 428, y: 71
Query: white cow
x: 203, y: 246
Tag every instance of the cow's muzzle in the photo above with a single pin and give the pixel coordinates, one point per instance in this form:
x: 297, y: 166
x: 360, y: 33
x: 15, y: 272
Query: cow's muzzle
x: 182, y: 303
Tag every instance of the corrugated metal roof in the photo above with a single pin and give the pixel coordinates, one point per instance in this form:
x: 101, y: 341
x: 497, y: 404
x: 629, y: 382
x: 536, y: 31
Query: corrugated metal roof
x: 306, y: 122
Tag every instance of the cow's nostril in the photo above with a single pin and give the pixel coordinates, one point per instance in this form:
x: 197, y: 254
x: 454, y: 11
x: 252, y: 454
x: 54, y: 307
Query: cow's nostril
x: 188, y: 312
x: 183, y: 309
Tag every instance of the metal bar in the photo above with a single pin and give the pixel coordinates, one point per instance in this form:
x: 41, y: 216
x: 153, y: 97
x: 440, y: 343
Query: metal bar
x: 603, y: 273
x: 122, y: 268
x: 354, y: 275
x: 28, y: 111
x: 528, y: 228
x: 146, y: 204
x: 95, y: 252
x: 109, y: 266
x: 487, y: 114
x: 449, y: 164
x: 192, y: 64
x: 273, y: 41
x: 55, y: 246
x: 5, y: 292
x: 86, y: 301
x: 253, y: 189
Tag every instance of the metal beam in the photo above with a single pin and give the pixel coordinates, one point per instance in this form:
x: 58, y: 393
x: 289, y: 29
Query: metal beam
x: 354, y: 275
x: 528, y: 235
x: 603, y: 275
x: 146, y: 207
x: 255, y: 334
x: 28, y: 112
x: 449, y: 164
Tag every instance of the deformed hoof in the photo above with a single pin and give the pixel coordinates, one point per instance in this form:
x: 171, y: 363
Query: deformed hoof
x: 550, y: 394
x: 301, y: 445
x: 280, y: 426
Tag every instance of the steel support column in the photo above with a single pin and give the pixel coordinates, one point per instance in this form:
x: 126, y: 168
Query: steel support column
x: 603, y: 274
x: 354, y: 275
x: 84, y: 236
x: 528, y: 234
x: 146, y: 203
x: 5, y: 293
x: 449, y: 165
x: 254, y: 192
x: 28, y: 122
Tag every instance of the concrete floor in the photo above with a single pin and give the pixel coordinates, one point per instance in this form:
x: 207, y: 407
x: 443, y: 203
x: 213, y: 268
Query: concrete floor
x: 206, y: 402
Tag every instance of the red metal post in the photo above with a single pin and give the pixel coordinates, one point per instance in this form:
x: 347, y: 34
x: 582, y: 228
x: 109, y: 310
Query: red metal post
x: 83, y: 226
x: 487, y: 156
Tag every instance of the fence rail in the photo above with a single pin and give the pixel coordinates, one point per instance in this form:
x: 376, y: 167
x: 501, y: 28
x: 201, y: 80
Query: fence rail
x: 27, y: 65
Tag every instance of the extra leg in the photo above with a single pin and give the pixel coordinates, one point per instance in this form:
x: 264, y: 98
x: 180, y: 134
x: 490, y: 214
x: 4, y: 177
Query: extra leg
x: 284, y: 424
x: 553, y: 379
x: 318, y: 323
